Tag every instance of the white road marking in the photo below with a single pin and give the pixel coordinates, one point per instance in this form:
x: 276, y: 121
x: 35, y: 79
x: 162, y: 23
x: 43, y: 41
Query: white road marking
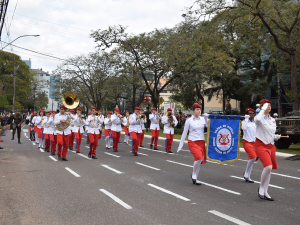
x: 87, y: 146
x: 283, y: 175
x: 33, y: 143
x: 244, y: 160
x: 152, y: 150
x: 112, y: 154
x: 116, y: 199
x: 112, y: 169
x: 241, y: 178
x: 220, y: 188
x: 42, y: 150
x: 147, y: 166
x: 54, y: 159
x: 84, y: 156
x: 72, y: 172
x: 229, y: 218
x: 25, y: 130
x: 170, y: 192
x: 142, y: 154
x: 157, y: 145
x: 179, y: 163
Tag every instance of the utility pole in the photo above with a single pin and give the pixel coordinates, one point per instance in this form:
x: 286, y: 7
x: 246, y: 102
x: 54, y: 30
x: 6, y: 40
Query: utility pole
x: 14, y: 86
x: 279, y: 110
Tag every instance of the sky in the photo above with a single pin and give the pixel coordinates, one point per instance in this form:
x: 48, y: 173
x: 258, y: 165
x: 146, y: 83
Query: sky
x: 64, y: 26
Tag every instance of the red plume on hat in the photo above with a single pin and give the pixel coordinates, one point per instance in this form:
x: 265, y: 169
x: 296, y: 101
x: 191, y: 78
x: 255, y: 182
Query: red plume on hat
x: 263, y: 101
x: 169, y: 109
x: 94, y: 108
x: 196, y: 106
x: 154, y: 109
x: 117, y: 109
x: 79, y: 109
x: 249, y: 109
x: 62, y: 107
x: 109, y: 112
x: 137, y: 108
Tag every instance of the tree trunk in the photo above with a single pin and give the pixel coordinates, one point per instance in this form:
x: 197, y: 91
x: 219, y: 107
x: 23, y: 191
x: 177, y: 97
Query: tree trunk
x: 294, y: 82
x: 133, y: 98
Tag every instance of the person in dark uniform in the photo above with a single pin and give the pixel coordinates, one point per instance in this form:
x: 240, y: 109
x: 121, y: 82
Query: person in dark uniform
x: 17, y: 120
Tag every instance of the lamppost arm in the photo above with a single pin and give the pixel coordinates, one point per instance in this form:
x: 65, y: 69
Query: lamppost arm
x: 18, y: 38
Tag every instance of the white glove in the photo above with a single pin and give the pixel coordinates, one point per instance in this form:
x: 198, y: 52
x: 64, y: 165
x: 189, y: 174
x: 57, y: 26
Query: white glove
x: 277, y: 137
x: 205, y: 115
x: 265, y: 106
x: 247, y: 117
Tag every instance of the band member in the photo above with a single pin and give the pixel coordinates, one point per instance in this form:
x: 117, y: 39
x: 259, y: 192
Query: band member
x: 143, y: 122
x: 126, y: 127
x: 53, y: 134
x: 116, y: 128
x: 100, y: 124
x: 154, y: 127
x: 78, y: 128
x: 72, y: 135
x: 87, y: 134
x: 93, y: 131
x: 169, y: 124
x: 34, y: 126
x: 107, y: 130
x: 249, y: 131
x: 16, y: 121
x: 63, y: 135
x: 196, y: 140
x: 28, y: 118
x: 264, y: 146
x: 40, y: 128
x: 30, y: 124
x: 47, y: 131
x: 135, y: 129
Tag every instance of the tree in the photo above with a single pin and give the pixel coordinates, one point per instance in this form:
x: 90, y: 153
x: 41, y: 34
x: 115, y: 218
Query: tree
x: 279, y: 18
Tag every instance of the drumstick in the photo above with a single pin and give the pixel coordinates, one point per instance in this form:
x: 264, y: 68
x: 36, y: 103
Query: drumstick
x: 287, y: 136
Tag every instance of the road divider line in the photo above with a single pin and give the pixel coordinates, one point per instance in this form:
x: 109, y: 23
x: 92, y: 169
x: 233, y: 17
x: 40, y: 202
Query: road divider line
x: 84, y: 156
x: 25, y: 130
x: 143, y: 154
x: 157, y: 145
x: 283, y: 175
x: 147, y: 166
x: 244, y: 160
x: 87, y: 146
x: 229, y: 218
x: 42, y: 150
x: 72, y: 172
x: 112, y: 154
x: 152, y: 150
x: 116, y: 199
x: 241, y: 178
x: 179, y: 163
x: 112, y: 169
x: 170, y: 192
x: 54, y: 159
x: 220, y: 188
x: 33, y: 143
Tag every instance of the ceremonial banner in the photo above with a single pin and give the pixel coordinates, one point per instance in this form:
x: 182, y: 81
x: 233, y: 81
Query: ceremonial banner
x: 223, y: 139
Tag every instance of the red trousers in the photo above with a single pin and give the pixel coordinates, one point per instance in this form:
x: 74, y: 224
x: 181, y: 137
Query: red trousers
x: 266, y: 154
x: 71, y: 139
x: 250, y: 149
x: 40, y: 132
x: 53, y: 139
x: 116, y: 138
x: 169, y: 141
x: 29, y: 129
x: 126, y: 131
x: 142, y: 137
x: 47, y: 141
x: 87, y: 137
x: 63, y: 142
x: 78, y: 136
x: 197, y: 148
x: 136, y: 140
x: 93, y: 143
x: 155, y: 135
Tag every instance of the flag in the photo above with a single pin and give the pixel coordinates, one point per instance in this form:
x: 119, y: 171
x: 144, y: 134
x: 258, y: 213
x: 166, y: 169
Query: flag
x: 223, y: 138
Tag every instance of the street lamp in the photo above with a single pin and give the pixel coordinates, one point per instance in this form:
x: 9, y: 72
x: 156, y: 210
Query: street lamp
x: 36, y: 35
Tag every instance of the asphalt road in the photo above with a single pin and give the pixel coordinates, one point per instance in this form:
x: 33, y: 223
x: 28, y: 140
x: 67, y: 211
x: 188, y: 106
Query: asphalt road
x: 152, y: 188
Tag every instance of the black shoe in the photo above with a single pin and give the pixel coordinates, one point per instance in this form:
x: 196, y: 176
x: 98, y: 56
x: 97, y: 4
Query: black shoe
x: 48, y: 150
x: 94, y: 157
x: 269, y: 199
x: 248, y: 181
x: 170, y: 152
x: 59, y: 157
x: 52, y: 153
x: 12, y: 139
x: 167, y: 150
x: 260, y: 196
x: 19, y: 142
x: 141, y: 145
x: 115, y: 150
x: 70, y: 148
x: 132, y: 151
x: 77, y: 151
x: 64, y: 159
x: 151, y: 146
x: 87, y: 142
x: 135, y: 154
x: 156, y: 149
x: 195, y: 181
x: 90, y: 155
x: 107, y: 148
x: 1, y: 148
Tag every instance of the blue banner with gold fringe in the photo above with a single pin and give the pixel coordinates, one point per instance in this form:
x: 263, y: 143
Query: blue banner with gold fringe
x: 223, y: 138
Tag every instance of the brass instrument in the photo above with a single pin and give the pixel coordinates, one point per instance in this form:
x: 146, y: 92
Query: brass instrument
x: 42, y: 120
x: 169, y: 114
x: 142, y: 117
x: 82, y: 117
x: 70, y: 100
x: 127, y: 121
x: 96, y: 114
x: 160, y: 114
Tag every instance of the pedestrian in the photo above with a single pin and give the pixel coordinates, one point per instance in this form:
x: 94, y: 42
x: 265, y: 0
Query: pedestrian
x: 228, y: 108
x: 125, y: 123
x: 169, y: 124
x: 143, y: 122
x: 79, y: 122
x: 249, y: 133
x: 116, y: 128
x: 154, y: 127
x: 264, y: 146
x: 16, y: 121
x: 196, y: 140
x: 135, y: 130
x: 107, y: 129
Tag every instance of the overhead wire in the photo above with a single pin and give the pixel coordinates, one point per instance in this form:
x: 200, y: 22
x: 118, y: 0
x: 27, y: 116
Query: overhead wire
x: 34, y: 55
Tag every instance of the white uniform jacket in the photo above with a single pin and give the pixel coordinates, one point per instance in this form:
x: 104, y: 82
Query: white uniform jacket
x: 92, y: 122
x: 78, y: 124
x: 195, y: 127
x: 72, y: 126
x: 38, y: 121
x: 101, y: 123
x: 33, y: 120
x: 107, y: 123
x: 57, y: 119
x: 168, y: 129
x: 249, y: 130
x: 125, y: 121
x: 143, y: 123
x: 134, y: 124
x: 265, y: 128
x: 116, y: 123
x: 47, y: 128
x: 154, y: 121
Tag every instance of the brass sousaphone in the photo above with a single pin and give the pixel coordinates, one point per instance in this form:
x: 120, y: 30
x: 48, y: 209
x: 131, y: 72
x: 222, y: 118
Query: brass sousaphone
x: 70, y: 100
